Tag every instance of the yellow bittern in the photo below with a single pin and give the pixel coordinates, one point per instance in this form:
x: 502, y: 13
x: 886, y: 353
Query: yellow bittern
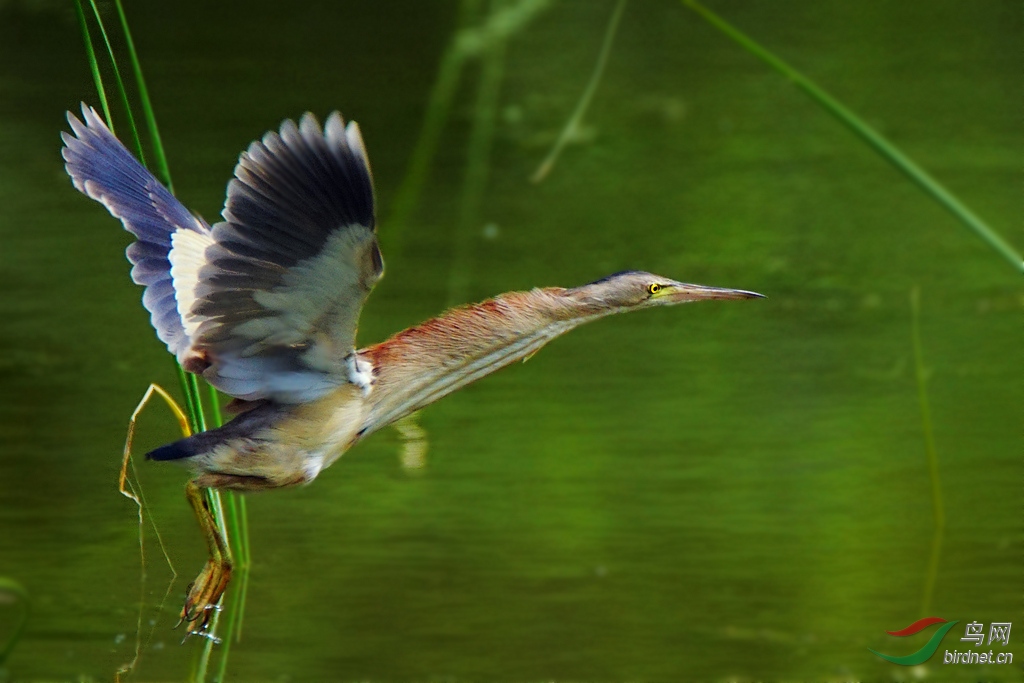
x: 264, y: 305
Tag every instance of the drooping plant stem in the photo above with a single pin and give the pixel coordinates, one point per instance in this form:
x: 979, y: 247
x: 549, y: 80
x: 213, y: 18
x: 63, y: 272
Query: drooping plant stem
x: 573, y: 124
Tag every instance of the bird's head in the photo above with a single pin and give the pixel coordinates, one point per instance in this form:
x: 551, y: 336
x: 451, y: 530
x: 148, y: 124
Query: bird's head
x: 636, y: 289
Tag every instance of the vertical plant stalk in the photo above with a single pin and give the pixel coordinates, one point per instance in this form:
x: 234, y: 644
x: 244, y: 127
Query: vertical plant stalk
x: 245, y: 553
x: 938, y: 509
x: 573, y: 124
x: 234, y: 625
x: 120, y: 86
x: 125, y: 485
x: 199, y: 675
x: 189, y: 385
x: 94, y: 68
x: 189, y: 382
x: 886, y: 149
x: 147, y: 106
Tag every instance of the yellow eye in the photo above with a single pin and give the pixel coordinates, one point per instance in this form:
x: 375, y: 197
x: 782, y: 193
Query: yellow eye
x: 653, y: 288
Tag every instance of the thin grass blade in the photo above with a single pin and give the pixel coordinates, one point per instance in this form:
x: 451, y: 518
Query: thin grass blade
x: 147, y: 106
x: 572, y: 125
x: 876, y: 140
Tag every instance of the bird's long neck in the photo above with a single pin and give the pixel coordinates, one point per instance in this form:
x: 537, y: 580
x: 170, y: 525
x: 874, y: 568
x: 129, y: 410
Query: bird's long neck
x: 424, y: 363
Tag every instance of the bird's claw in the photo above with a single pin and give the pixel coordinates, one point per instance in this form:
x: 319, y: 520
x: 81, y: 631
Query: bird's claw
x: 202, y: 599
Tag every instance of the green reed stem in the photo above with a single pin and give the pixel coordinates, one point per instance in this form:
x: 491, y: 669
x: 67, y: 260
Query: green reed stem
x: 245, y: 551
x: 573, y: 124
x: 189, y: 382
x: 886, y: 149
x: 94, y: 67
x: 193, y: 400
x: 234, y: 625
x: 147, y: 105
x: 189, y: 385
x: 218, y: 416
x: 120, y: 85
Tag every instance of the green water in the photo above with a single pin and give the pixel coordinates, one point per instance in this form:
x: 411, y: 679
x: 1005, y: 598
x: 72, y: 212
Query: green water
x: 726, y: 491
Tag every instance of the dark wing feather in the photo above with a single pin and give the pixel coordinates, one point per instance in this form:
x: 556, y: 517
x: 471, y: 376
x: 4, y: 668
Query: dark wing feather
x: 265, y: 304
x: 279, y: 295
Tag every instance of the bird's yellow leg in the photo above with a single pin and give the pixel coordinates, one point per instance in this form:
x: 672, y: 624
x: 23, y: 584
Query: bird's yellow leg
x: 204, y: 594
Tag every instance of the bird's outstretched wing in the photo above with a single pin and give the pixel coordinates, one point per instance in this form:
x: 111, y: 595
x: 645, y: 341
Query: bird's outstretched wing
x: 265, y: 303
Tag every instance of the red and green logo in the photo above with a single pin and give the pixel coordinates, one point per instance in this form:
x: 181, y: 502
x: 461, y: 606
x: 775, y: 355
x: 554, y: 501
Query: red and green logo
x: 922, y: 655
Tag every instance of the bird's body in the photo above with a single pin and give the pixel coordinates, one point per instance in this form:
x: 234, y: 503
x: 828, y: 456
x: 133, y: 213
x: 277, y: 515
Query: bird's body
x: 272, y: 445
x: 264, y: 305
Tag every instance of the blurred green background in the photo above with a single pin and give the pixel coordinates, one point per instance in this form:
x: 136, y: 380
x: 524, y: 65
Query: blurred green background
x: 716, y: 492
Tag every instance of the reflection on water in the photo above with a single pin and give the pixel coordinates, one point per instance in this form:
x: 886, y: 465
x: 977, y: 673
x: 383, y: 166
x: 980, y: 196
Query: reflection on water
x: 415, y: 443
x: 703, y: 493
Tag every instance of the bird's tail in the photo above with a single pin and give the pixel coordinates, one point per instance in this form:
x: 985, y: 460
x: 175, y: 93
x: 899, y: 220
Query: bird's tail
x: 183, y: 448
x: 247, y: 426
x: 197, y: 444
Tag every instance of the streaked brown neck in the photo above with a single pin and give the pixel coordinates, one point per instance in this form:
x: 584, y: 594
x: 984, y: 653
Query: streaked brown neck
x: 424, y: 363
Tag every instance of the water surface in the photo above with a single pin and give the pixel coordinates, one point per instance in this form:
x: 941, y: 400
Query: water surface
x: 726, y: 491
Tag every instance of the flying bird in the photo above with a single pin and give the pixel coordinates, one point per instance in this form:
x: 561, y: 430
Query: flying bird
x: 264, y: 305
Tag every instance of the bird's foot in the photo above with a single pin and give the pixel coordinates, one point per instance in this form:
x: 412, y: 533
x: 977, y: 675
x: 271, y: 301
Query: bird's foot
x: 203, y: 598
x: 360, y: 372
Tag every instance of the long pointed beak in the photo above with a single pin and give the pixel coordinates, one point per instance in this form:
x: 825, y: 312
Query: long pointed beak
x: 681, y: 292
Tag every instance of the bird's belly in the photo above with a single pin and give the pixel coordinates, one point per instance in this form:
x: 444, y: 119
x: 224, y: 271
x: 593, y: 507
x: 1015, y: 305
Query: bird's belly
x: 294, y: 449
x: 334, y: 432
